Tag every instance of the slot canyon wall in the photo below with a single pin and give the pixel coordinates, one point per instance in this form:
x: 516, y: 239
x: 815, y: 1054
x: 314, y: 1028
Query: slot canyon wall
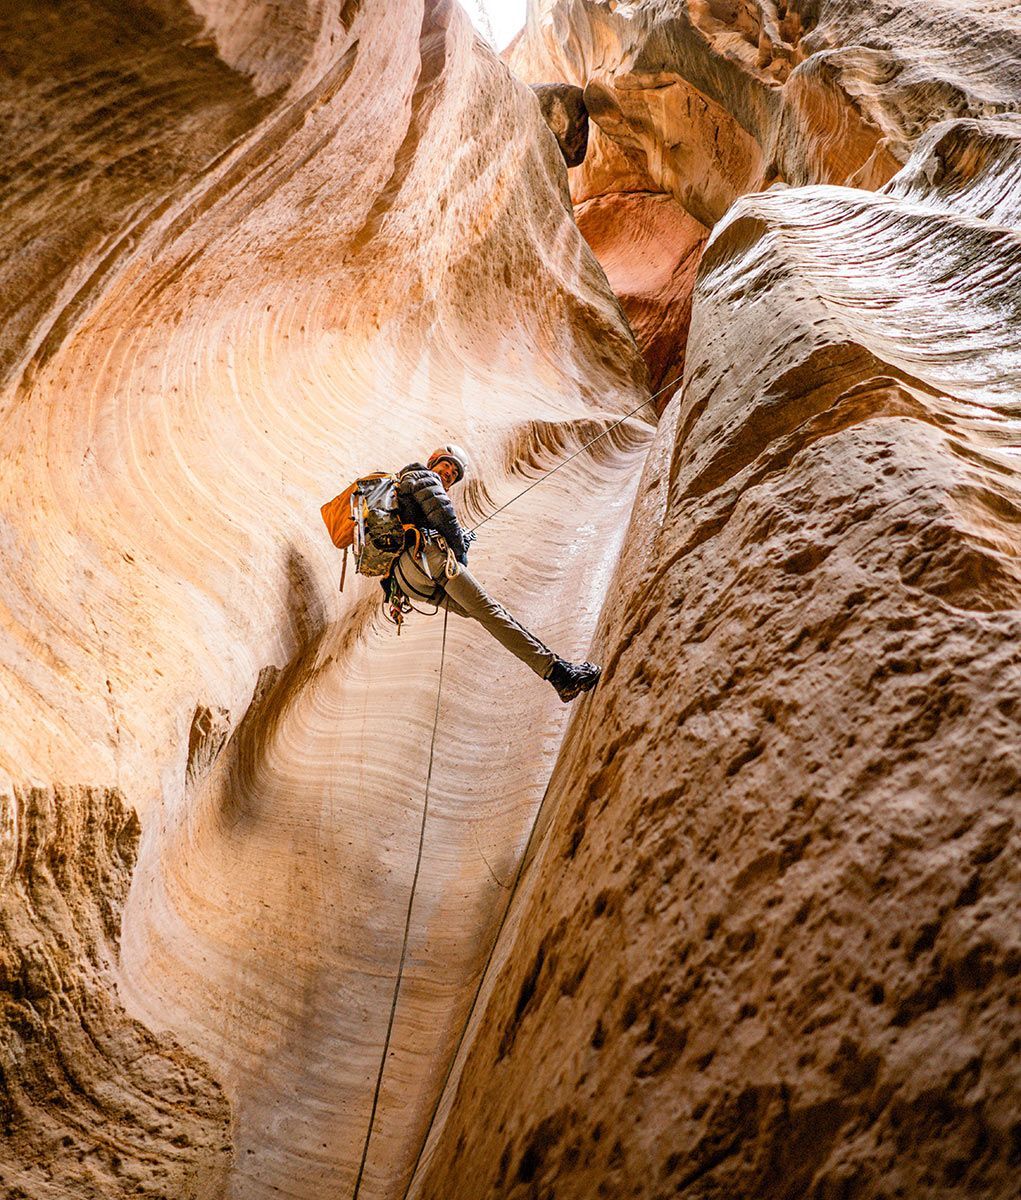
x: 765, y: 939
x: 249, y: 252
x: 694, y: 103
x: 768, y: 943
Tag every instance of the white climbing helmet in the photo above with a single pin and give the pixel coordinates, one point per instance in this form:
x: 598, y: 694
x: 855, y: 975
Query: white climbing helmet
x: 452, y: 454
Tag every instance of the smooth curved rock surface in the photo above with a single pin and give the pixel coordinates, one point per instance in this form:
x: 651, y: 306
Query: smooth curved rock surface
x: 767, y: 944
x: 649, y: 248
x: 250, y: 252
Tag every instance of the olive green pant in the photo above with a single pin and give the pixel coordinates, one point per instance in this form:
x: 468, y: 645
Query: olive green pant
x: 465, y: 597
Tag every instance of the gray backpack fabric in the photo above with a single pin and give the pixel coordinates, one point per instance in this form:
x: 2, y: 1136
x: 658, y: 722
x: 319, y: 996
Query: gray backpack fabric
x: 379, y: 531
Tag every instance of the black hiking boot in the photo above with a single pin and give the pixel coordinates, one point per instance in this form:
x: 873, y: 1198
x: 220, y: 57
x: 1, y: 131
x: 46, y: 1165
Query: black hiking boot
x: 570, y: 679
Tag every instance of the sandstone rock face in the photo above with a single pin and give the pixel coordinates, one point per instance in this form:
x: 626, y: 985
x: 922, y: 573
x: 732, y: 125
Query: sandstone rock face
x: 768, y: 943
x: 747, y: 930
x: 93, y: 1104
x: 649, y: 248
x: 693, y: 104
x: 251, y: 251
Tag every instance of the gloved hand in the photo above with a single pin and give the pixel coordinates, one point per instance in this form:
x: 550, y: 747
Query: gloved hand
x: 469, y: 536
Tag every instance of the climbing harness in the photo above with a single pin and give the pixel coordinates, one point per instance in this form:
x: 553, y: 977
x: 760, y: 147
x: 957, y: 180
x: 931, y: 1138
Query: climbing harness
x: 397, y: 603
x: 452, y: 562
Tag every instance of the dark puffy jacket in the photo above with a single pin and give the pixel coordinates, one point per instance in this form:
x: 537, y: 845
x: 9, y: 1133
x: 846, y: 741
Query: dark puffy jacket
x: 424, y: 502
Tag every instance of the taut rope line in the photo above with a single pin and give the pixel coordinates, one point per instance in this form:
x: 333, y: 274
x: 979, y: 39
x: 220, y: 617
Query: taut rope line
x: 553, y: 470
x: 407, y: 921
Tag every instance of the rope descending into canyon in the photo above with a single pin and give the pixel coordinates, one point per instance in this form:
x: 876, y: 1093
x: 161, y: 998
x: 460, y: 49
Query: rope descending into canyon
x: 553, y: 470
x: 421, y: 842
x: 407, y: 922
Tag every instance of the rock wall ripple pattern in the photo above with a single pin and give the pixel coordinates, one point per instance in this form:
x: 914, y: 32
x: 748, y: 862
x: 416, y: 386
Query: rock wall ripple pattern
x: 252, y: 251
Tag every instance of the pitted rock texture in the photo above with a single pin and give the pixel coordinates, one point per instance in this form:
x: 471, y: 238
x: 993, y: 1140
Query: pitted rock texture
x: 254, y: 251
x: 768, y: 944
x: 765, y: 944
x: 93, y: 1105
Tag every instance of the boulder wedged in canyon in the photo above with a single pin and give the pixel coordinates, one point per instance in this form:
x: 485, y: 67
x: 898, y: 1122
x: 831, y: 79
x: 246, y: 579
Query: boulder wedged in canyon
x: 767, y: 944
x: 250, y: 252
x: 563, y: 109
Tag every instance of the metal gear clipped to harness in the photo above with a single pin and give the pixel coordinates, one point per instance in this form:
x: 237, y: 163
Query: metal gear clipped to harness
x: 397, y: 605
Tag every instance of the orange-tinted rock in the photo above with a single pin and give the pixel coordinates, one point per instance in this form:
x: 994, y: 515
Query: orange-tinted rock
x: 767, y: 943
x: 94, y: 1104
x: 252, y: 251
x: 707, y: 100
x: 649, y: 248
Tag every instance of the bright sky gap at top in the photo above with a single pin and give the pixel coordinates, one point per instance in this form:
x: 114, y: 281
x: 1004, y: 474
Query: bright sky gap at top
x: 497, y: 20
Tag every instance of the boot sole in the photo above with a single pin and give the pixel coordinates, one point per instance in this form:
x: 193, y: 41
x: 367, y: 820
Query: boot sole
x: 574, y: 693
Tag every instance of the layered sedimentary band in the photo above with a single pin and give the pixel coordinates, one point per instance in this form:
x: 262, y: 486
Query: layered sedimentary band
x: 253, y: 254
x: 764, y: 942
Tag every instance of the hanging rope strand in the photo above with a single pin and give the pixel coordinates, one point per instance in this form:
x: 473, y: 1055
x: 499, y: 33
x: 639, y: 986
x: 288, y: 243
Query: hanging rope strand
x: 407, y: 921
x: 478, y: 991
x: 421, y: 839
x: 553, y: 470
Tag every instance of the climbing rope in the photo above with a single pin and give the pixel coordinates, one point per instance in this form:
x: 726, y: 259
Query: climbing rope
x: 407, y: 921
x: 553, y: 470
x: 451, y: 563
x: 478, y: 992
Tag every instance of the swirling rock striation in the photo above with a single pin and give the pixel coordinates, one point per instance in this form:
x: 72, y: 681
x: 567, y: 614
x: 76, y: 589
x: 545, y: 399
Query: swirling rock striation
x: 768, y: 946
x: 764, y: 942
x: 250, y: 252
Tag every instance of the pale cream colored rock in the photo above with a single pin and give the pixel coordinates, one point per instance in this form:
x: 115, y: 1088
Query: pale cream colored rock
x: 766, y: 945
x: 251, y: 251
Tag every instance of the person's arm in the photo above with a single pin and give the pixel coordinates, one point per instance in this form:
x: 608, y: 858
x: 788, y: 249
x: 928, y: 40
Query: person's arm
x: 439, y: 514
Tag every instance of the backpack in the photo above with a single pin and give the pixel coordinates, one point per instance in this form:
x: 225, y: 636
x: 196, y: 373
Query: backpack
x: 365, y: 517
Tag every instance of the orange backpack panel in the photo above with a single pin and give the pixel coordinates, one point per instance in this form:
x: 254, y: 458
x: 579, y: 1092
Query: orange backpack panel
x: 337, y: 516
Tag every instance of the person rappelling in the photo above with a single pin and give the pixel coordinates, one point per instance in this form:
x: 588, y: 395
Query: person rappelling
x: 404, y: 530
